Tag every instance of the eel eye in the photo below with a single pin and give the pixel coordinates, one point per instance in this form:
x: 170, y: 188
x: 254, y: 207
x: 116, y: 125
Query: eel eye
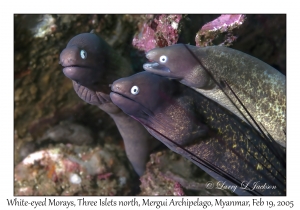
x: 83, y: 54
x: 163, y: 59
x: 135, y: 90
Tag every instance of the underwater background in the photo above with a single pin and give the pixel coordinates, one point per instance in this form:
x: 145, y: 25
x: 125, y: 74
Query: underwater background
x: 75, y: 148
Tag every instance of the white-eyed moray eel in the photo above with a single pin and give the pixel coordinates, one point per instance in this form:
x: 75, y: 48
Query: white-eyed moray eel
x: 92, y: 65
x: 204, y: 132
x: 260, y: 87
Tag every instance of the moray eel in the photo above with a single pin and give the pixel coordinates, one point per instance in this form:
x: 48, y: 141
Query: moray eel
x: 260, y: 87
x: 92, y: 65
x: 206, y: 133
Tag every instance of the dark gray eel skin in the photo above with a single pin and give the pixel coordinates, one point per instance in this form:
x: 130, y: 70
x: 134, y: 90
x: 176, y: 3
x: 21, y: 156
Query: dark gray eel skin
x: 92, y: 65
x: 204, y: 132
x: 261, y: 88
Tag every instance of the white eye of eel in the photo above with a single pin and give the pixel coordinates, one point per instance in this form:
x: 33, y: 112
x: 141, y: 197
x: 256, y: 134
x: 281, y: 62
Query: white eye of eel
x: 163, y: 59
x: 134, y: 90
x: 83, y: 54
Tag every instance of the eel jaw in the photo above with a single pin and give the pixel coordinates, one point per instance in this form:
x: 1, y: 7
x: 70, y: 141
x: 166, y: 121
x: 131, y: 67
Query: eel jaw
x: 86, y: 76
x: 129, y: 105
x: 157, y: 68
x: 76, y: 72
x: 89, y: 96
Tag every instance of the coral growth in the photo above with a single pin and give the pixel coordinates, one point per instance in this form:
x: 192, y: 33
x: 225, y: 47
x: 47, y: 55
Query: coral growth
x: 223, y: 24
x: 163, y: 30
x: 157, y: 31
x: 73, y: 170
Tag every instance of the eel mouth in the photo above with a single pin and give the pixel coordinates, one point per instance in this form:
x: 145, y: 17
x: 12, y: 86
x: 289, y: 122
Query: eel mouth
x: 157, y: 68
x: 83, y: 75
x: 71, y: 64
x: 75, y: 67
x: 123, y: 102
x: 130, y: 106
x: 120, y: 95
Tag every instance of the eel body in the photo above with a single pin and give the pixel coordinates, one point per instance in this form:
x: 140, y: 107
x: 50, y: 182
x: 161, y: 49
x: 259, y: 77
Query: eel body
x: 260, y: 87
x: 206, y: 133
x: 92, y: 65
